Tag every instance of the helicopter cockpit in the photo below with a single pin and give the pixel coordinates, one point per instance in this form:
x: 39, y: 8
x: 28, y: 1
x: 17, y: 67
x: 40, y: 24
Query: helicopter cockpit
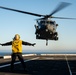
x: 47, y: 25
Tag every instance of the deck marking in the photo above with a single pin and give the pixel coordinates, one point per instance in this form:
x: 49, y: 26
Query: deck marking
x: 19, y: 62
x: 68, y: 65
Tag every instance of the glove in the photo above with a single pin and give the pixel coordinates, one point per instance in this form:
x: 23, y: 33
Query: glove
x: 33, y: 44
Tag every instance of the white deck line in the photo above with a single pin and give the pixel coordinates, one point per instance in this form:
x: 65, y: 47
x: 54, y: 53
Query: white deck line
x: 68, y: 65
x: 58, y: 54
x: 2, y: 66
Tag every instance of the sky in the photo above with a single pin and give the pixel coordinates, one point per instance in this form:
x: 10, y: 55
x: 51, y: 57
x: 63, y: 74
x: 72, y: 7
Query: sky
x: 12, y: 23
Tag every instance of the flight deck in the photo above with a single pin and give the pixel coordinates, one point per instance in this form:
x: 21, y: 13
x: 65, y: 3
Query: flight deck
x: 43, y: 64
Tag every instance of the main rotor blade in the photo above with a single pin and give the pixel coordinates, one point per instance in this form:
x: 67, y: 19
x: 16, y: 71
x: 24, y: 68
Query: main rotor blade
x: 24, y: 12
x: 63, y: 18
x: 61, y: 6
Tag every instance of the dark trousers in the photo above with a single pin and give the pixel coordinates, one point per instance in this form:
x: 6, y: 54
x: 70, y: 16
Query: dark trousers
x: 19, y: 55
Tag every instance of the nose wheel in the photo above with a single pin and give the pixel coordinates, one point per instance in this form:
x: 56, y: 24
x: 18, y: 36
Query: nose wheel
x: 55, y: 36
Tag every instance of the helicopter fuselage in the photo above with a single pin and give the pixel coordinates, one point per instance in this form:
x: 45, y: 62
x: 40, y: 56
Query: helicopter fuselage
x: 46, y: 29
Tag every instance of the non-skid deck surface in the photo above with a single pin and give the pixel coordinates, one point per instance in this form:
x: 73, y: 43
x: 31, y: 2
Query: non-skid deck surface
x: 42, y: 65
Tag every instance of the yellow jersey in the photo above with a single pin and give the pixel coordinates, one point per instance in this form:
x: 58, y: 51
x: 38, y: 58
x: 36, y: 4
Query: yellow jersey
x: 17, y: 46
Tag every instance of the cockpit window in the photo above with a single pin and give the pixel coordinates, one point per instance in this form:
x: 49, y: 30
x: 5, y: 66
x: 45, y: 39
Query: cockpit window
x: 52, y: 23
x: 42, y: 22
x: 49, y: 22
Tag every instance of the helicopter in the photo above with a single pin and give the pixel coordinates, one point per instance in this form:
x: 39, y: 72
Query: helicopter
x: 45, y: 27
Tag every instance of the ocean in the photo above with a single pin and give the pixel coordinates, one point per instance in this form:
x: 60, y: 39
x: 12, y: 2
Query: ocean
x: 9, y: 53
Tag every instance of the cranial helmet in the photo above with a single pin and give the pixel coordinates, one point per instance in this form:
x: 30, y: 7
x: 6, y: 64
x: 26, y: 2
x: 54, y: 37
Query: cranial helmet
x: 16, y: 35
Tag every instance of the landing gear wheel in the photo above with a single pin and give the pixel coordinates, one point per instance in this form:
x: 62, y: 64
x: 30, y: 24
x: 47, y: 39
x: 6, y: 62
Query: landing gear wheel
x: 37, y: 36
x: 55, y: 34
x: 56, y: 38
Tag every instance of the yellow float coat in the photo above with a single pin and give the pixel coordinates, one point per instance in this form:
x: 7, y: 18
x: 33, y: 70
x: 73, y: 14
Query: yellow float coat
x: 17, y: 46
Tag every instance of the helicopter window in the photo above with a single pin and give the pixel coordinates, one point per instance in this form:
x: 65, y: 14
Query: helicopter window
x: 52, y: 23
x: 42, y: 22
x: 48, y: 22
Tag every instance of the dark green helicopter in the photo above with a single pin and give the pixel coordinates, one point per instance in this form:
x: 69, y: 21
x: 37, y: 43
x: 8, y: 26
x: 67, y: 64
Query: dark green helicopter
x: 45, y: 28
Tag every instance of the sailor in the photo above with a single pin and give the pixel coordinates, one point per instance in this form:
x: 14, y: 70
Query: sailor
x: 17, y: 50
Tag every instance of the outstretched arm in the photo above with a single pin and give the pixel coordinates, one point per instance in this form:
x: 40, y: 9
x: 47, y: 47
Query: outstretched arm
x: 6, y: 44
x: 26, y: 43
